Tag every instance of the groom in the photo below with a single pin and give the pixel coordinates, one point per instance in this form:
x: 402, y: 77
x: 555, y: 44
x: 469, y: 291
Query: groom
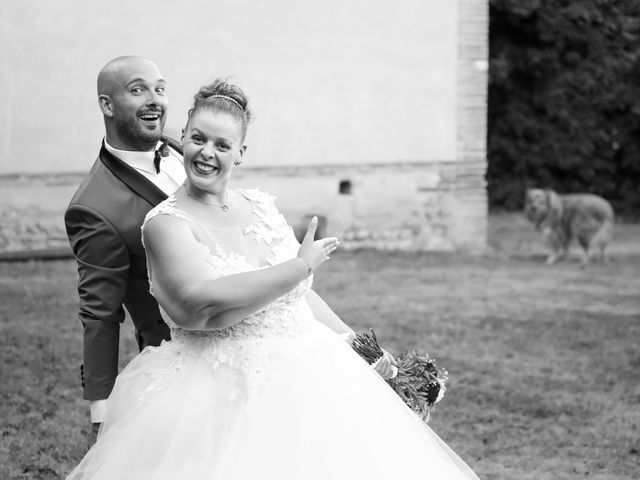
x: 135, y: 170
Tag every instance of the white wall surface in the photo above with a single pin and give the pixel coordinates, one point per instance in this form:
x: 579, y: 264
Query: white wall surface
x: 331, y: 81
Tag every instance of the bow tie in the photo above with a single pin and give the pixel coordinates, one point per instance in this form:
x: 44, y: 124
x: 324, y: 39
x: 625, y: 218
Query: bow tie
x: 161, y: 151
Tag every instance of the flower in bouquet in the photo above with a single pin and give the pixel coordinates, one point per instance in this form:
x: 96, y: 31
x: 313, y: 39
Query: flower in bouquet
x: 419, y: 382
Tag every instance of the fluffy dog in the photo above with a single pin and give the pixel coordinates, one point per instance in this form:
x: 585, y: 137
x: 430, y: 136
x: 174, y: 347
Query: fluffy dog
x: 583, y: 216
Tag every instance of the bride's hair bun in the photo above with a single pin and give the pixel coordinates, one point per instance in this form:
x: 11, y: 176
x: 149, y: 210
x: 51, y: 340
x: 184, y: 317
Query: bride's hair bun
x: 223, y: 96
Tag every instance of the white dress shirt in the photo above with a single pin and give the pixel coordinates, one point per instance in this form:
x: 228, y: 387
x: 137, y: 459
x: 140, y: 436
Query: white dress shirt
x: 170, y: 177
x: 171, y: 174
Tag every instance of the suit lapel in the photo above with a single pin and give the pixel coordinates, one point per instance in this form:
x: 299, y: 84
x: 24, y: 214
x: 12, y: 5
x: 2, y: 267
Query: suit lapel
x: 132, y: 179
x: 174, y: 144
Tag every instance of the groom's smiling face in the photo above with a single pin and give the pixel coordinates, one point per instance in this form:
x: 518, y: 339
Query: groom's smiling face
x: 138, y: 106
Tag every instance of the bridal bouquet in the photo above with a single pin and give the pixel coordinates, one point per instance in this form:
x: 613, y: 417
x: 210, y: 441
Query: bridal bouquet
x: 419, y: 382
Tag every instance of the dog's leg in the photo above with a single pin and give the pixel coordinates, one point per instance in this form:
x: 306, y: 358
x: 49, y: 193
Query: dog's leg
x: 598, y: 243
x: 603, y: 255
x: 556, y: 256
x: 558, y: 244
x: 585, y: 258
x: 552, y: 258
x: 555, y: 246
x: 586, y: 251
x: 558, y: 251
x: 597, y: 251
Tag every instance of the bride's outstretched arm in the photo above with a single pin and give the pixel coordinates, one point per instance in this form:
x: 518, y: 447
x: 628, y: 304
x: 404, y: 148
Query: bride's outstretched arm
x: 326, y: 315
x: 193, y: 292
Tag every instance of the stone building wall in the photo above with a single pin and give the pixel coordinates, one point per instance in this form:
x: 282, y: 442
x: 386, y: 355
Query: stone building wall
x: 429, y: 193
x: 402, y: 206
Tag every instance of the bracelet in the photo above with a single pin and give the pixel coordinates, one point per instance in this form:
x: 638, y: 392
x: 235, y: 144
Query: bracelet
x: 309, y: 269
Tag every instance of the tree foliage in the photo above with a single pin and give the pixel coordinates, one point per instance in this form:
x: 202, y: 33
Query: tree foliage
x: 564, y: 99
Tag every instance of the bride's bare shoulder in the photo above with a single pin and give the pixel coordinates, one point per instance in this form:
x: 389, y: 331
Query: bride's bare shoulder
x: 165, y: 231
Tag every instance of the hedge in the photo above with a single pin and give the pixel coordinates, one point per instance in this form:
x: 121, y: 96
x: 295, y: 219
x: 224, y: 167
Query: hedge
x: 564, y: 100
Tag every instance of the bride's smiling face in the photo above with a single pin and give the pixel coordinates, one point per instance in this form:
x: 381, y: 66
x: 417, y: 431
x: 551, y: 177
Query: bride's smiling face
x: 212, y: 142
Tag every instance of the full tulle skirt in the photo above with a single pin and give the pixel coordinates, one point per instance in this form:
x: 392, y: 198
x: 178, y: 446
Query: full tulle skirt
x: 300, y: 407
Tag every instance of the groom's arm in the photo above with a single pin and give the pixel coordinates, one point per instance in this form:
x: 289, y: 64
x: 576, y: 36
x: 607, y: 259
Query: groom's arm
x: 103, y: 272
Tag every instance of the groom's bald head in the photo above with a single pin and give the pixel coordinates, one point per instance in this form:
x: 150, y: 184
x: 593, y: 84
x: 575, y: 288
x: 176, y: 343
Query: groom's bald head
x: 131, y: 95
x: 113, y: 73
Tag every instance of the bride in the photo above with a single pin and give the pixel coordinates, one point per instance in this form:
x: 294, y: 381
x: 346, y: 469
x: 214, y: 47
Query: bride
x: 259, y: 379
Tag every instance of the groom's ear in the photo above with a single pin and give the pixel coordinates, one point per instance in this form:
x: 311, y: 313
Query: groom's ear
x: 105, y: 105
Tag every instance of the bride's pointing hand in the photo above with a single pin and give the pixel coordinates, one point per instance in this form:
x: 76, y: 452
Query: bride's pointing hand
x: 316, y: 252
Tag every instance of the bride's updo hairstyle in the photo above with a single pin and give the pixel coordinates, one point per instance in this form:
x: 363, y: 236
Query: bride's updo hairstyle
x: 222, y: 96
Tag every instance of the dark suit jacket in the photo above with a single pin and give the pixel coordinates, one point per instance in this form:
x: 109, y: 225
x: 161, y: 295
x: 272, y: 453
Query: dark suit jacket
x: 103, y: 223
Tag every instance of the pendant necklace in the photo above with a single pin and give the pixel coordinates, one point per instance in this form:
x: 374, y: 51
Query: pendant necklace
x: 224, y: 206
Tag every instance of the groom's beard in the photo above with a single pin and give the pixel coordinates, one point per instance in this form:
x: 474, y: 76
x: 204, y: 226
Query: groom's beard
x: 135, y: 134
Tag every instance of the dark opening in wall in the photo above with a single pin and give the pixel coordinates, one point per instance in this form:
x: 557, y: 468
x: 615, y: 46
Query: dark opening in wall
x: 345, y: 187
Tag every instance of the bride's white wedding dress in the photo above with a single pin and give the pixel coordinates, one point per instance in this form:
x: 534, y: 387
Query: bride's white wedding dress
x: 277, y: 396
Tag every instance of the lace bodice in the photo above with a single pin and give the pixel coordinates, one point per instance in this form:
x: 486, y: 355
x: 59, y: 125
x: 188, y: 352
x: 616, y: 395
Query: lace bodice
x: 248, y: 345
x: 281, y: 317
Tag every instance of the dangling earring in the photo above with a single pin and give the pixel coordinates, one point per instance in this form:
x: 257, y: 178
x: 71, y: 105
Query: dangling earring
x: 237, y: 162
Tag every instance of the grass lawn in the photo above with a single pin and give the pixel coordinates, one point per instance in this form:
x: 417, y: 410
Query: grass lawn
x: 543, y: 361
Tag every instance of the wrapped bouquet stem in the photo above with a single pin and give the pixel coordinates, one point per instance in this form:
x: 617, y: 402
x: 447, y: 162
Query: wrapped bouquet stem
x: 418, y: 382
